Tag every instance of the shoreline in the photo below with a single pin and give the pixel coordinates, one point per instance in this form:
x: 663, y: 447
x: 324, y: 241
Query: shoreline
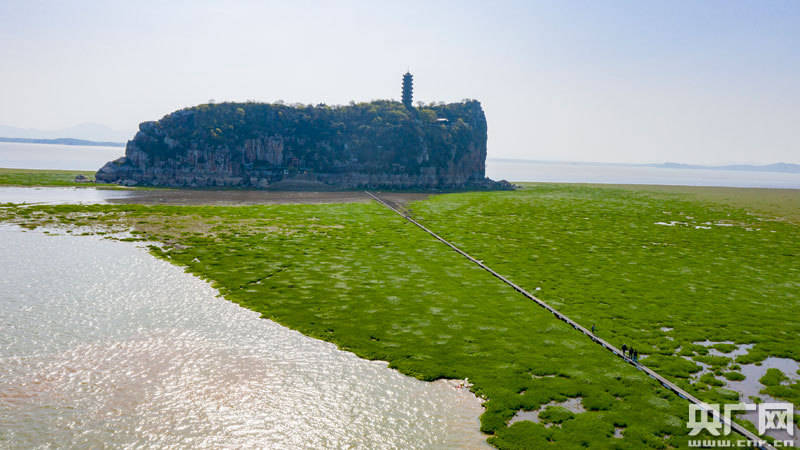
x: 62, y: 177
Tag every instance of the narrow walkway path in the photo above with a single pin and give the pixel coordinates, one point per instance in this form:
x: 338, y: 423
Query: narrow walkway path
x: 664, y: 382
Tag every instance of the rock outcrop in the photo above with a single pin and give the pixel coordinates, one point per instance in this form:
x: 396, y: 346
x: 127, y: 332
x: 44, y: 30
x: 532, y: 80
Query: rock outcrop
x: 382, y: 144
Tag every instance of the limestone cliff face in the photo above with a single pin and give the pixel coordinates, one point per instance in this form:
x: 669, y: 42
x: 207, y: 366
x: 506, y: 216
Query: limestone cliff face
x: 380, y: 144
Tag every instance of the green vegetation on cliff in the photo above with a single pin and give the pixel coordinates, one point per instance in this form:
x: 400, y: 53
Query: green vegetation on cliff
x: 381, y: 143
x: 378, y: 133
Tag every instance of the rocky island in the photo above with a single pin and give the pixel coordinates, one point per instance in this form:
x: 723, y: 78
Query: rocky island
x: 380, y: 144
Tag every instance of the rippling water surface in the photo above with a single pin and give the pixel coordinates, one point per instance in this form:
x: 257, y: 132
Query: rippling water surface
x: 101, y: 343
x: 62, y: 195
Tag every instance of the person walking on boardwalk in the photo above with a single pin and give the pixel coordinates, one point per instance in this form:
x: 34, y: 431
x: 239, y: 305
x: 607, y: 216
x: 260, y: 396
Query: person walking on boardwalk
x: 624, y: 350
x: 592, y: 328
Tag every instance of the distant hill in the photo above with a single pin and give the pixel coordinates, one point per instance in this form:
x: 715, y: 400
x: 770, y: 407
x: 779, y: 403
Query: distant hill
x: 63, y: 141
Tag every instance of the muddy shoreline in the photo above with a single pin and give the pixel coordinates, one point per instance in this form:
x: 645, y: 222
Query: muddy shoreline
x: 238, y: 197
x: 227, y: 197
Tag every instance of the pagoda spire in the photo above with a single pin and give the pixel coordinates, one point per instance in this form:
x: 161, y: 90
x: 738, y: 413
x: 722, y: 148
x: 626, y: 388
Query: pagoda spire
x: 408, y: 89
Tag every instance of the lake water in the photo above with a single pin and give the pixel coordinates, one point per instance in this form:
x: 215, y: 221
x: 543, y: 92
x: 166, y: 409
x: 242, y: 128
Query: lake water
x: 61, y: 195
x: 103, y: 345
x: 90, y: 195
x: 52, y: 156
x: 555, y: 172
x: 70, y: 157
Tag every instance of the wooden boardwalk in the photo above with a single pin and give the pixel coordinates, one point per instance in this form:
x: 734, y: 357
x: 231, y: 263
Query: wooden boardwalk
x: 759, y: 443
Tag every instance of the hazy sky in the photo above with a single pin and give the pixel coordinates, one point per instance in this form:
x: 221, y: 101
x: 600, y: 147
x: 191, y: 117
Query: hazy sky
x: 686, y: 81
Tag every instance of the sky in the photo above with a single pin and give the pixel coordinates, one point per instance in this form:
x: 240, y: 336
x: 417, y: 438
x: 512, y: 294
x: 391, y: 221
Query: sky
x: 702, y: 82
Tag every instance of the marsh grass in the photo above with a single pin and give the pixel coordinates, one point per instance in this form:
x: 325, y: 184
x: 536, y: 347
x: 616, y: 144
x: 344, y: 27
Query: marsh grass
x: 33, y: 177
x: 360, y: 276
x: 776, y: 204
x: 637, y: 262
x: 57, y: 178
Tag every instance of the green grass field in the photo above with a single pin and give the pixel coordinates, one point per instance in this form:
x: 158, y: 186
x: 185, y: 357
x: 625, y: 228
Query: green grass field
x: 362, y: 277
x: 636, y: 260
x: 774, y: 204
x: 33, y: 177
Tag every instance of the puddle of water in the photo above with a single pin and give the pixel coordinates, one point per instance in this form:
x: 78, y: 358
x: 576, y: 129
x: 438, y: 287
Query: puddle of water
x: 704, y: 368
x: 532, y: 416
x: 704, y: 226
x: 671, y: 223
x: 60, y: 195
x: 751, y: 387
x: 574, y: 405
x: 104, y: 345
x: 741, y: 349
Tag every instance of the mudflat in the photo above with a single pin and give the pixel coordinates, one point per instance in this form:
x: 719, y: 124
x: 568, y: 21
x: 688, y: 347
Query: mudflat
x: 241, y: 197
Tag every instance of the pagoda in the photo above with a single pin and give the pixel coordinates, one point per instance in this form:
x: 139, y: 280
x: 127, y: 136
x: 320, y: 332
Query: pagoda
x: 408, y: 89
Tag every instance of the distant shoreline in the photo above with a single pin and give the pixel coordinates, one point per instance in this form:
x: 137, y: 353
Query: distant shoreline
x: 63, y: 141
x: 776, y: 167
x: 20, y: 177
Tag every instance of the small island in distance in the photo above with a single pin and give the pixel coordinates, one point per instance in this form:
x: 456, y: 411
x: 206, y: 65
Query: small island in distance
x: 378, y: 144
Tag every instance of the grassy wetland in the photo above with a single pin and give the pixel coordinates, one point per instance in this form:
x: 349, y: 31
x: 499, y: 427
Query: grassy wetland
x: 36, y: 177
x: 658, y: 270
